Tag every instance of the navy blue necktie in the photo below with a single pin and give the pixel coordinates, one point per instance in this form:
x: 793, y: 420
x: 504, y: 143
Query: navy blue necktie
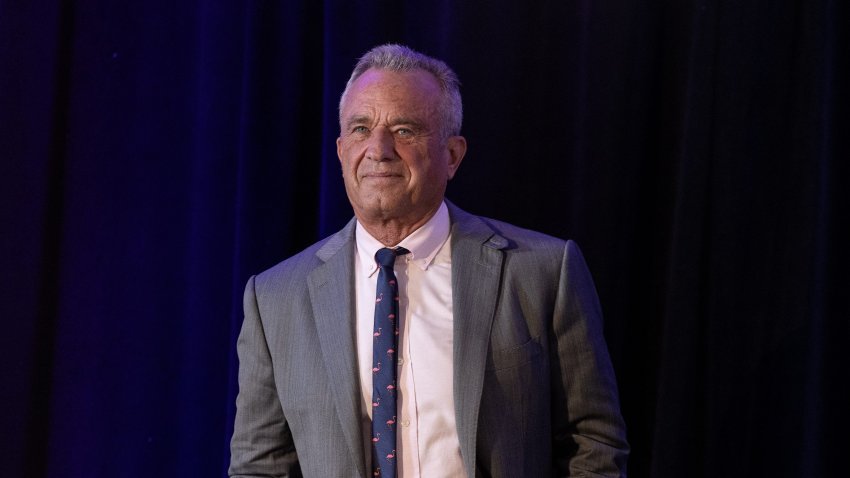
x: 384, y: 352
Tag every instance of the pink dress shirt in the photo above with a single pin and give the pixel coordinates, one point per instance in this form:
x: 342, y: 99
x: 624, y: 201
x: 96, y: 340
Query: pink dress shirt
x: 427, y: 437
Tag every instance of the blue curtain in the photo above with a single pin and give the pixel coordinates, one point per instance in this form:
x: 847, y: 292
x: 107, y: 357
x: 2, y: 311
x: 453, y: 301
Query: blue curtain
x: 154, y: 155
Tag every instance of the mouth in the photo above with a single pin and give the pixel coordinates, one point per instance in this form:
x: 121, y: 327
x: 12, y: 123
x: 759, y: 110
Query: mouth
x: 380, y: 176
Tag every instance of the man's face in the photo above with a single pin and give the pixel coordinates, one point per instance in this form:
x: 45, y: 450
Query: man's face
x: 395, y: 161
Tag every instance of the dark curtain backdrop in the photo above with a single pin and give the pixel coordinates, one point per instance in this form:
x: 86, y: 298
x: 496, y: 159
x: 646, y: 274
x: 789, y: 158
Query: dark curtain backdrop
x: 155, y: 154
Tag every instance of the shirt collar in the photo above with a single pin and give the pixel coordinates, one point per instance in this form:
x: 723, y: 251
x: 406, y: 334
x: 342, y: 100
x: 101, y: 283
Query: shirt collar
x: 423, y: 243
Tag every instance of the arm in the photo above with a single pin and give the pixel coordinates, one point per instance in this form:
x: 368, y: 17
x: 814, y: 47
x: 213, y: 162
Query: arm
x: 262, y: 444
x: 589, y: 435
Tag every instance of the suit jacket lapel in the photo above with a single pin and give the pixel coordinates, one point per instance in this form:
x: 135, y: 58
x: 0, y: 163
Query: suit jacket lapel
x: 331, y: 288
x: 476, y: 275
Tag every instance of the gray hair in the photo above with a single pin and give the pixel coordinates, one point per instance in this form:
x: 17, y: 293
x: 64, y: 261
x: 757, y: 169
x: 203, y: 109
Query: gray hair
x: 394, y: 57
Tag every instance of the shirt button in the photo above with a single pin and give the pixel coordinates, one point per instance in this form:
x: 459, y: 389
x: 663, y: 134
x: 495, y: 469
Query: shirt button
x: 400, y: 361
x: 405, y: 423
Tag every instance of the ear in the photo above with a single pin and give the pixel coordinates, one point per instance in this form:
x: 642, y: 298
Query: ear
x: 339, y: 149
x: 456, y: 146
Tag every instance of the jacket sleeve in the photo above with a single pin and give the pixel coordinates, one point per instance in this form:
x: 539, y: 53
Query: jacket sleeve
x: 262, y: 444
x: 589, y: 435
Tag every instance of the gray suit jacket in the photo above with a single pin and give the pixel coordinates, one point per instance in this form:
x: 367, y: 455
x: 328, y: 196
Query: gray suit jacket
x: 535, y: 394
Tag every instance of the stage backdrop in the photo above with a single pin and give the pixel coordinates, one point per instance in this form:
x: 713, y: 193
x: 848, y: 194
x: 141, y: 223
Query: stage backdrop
x: 156, y: 154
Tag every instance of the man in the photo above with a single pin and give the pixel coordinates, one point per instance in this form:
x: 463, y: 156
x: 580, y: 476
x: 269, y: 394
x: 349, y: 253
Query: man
x: 497, y: 365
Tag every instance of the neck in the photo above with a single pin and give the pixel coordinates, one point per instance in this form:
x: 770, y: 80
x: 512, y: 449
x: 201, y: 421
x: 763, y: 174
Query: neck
x: 391, y: 231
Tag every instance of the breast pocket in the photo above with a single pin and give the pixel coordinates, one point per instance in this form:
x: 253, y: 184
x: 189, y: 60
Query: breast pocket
x: 516, y: 356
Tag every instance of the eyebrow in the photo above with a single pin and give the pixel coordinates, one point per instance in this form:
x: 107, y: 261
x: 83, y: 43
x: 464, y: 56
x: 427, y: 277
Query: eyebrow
x: 357, y: 120
x: 416, y: 124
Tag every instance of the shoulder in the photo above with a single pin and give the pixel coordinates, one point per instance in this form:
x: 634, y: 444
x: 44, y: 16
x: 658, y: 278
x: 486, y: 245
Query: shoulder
x: 295, y: 269
x: 527, y: 250
x: 301, y: 262
x: 524, y: 249
x: 522, y: 238
x: 510, y: 238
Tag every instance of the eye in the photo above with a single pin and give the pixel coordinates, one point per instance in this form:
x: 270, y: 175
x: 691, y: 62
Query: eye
x: 360, y: 129
x: 404, y: 132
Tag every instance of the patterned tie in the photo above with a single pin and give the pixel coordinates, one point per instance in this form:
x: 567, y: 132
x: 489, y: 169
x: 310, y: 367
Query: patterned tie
x: 384, y: 366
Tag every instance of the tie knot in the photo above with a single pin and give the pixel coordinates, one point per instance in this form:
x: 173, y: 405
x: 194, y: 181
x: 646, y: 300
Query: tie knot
x: 386, y: 256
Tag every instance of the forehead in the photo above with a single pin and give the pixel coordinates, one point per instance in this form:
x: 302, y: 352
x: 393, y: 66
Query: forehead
x: 404, y: 91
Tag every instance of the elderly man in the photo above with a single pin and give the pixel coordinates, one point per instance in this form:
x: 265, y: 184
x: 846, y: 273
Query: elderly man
x: 420, y: 340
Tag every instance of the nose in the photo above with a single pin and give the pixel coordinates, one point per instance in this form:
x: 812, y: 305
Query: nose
x: 380, y: 146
